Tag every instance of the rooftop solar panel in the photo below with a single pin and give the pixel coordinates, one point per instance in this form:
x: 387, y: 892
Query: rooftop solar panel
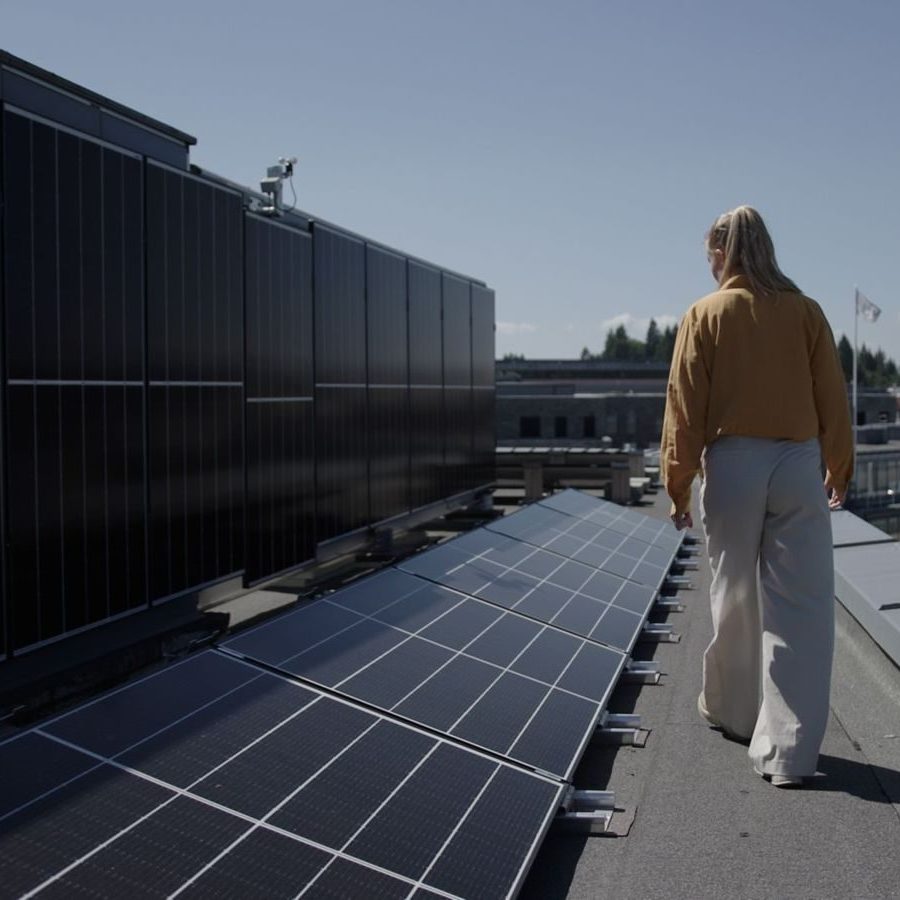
x: 539, y: 584
x: 617, y: 518
x: 264, y: 788
x: 519, y: 687
x: 588, y: 542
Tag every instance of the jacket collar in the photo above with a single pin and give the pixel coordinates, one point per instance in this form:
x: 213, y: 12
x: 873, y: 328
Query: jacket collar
x: 735, y: 282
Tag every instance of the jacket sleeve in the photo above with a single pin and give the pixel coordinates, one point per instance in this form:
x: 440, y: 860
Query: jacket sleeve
x: 684, y: 423
x: 832, y: 407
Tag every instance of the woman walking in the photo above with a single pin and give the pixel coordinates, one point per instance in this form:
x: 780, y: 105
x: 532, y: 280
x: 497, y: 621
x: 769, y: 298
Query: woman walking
x: 757, y: 401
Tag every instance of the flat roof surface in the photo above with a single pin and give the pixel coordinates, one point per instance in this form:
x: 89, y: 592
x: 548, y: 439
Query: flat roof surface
x: 705, y: 825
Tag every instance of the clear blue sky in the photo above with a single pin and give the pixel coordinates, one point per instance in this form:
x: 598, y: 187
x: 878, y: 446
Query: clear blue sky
x: 572, y: 154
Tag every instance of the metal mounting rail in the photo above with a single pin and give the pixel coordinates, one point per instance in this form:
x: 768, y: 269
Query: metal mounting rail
x: 620, y: 729
x: 586, y: 811
x: 677, y: 582
x: 667, y: 604
x: 659, y: 632
x: 640, y: 671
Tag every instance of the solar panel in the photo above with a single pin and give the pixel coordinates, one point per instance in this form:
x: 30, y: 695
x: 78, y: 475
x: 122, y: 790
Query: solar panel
x: 588, y: 542
x: 539, y: 584
x: 615, y: 517
x: 477, y: 672
x: 260, y: 787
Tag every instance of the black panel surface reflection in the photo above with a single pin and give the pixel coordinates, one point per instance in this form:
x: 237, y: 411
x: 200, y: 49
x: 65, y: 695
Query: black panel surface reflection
x: 483, y: 399
x: 279, y: 311
x: 388, y: 379
x: 457, y: 334
x: 281, y: 525
x: 196, y: 486
x: 425, y: 341
x: 458, y: 467
x: 615, y: 518
x: 340, y: 286
x: 445, y: 660
x: 389, y: 448
x: 226, y: 732
x: 534, y: 582
x: 588, y: 542
x: 427, y: 478
x: 280, y: 417
x: 73, y: 293
x: 195, y: 414
x: 482, y: 336
x: 342, y: 480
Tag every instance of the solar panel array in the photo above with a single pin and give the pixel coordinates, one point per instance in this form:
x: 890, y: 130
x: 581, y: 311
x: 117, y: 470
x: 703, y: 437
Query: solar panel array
x: 214, y: 779
x: 546, y: 586
x: 461, y: 666
x: 410, y: 735
x: 185, y: 404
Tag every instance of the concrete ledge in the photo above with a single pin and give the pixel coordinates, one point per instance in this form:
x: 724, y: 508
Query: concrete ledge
x: 850, y: 530
x: 867, y: 579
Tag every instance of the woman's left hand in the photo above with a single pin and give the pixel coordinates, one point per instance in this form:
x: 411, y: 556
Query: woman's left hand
x: 685, y: 520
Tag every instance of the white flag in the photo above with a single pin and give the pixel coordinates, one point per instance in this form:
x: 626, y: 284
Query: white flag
x: 870, y: 312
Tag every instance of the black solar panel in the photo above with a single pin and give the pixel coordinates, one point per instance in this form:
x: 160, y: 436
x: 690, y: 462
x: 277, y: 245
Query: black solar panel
x: 589, y: 542
x: 540, y: 584
x: 262, y: 788
x: 615, y: 517
x: 448, y: 661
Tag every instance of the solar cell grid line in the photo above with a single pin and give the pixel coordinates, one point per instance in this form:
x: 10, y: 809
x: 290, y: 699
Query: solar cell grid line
x: 540, y: 584
x: 589, y: 543
x: 437, y: 826
x: 618, y: 518
x: 177, y: 794
x: 542, y: 519
x: 442, y: 679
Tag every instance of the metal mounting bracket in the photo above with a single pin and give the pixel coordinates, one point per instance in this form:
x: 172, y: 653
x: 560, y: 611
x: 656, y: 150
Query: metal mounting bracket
x: 666, y: 604
x: 620, y: 729
x: 659, y: 632
x: 640, y: 671
x: 678, y: 582
x: 586, y: 811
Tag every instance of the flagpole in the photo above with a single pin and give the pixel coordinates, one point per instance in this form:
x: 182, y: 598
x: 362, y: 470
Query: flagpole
x: 855, y: 332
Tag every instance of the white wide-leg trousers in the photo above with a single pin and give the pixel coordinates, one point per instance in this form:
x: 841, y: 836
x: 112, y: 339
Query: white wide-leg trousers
x: 767, y: 671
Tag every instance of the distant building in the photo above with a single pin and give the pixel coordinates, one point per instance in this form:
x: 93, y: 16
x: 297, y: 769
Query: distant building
x: 560, y: 401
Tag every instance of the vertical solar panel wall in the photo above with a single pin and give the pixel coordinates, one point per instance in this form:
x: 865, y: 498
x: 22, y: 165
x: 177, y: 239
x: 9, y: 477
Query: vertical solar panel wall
x: 195, y: 339
x: 426, y: 383
x: 483, y: 396
x: 194, y: 392
x: 73, y: 286
x: 279, y: 413
x: 388, y: 375
x: 457, y: 359
x: 342, y: 470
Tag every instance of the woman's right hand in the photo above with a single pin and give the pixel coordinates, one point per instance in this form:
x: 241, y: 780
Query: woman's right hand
x: 835, y: 497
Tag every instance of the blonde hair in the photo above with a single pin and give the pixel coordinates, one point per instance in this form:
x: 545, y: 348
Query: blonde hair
x: 744, y: 240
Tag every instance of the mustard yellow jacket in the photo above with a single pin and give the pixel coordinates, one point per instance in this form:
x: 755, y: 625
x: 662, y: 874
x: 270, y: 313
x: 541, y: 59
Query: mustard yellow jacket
x: 754, y: 366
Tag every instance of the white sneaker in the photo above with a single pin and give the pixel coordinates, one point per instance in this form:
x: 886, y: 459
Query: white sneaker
x: 785, y: 781
x: 782, y: 781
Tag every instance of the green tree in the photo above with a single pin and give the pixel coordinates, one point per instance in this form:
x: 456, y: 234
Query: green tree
x: 586, y: 354
x: 667, y: 344
x: 651, y: 344
x: 845, y: 353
